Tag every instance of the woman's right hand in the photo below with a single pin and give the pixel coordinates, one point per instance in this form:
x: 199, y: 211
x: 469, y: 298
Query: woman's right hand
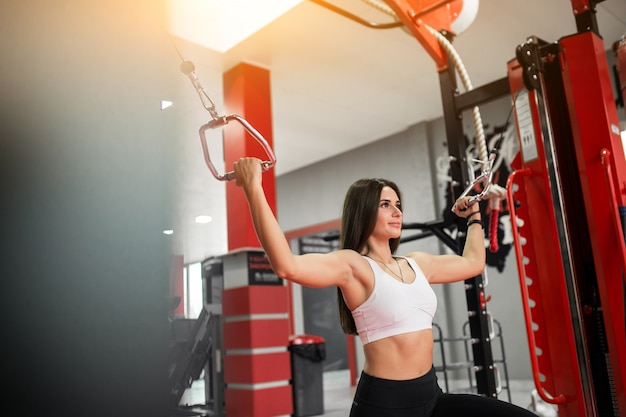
x: 248, y: 171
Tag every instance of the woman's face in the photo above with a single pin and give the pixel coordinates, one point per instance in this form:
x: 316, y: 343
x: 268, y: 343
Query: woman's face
x: 389, y: 217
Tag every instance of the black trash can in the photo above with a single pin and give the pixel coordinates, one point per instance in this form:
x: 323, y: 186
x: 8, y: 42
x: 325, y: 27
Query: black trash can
x: 307, y: 354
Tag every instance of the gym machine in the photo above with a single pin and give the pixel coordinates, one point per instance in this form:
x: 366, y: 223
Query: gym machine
x: 567, y: 201
x: 196, y: 350
x: 567, y: 198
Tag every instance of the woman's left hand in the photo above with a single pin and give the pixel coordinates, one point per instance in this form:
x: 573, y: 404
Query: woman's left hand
x: 463, y: 208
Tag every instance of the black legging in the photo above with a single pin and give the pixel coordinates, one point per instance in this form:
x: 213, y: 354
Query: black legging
x: 422, y: 397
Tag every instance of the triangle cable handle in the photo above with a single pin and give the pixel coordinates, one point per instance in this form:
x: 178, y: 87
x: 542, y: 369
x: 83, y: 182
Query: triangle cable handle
x: 223, y: 121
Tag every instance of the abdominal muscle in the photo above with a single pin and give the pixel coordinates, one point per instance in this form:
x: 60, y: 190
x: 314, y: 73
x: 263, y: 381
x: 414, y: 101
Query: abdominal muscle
x: 401, y: 357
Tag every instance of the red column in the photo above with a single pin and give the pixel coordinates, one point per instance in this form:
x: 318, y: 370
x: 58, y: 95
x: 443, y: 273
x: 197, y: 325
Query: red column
x: 257, y: 368
x: 247, y: 94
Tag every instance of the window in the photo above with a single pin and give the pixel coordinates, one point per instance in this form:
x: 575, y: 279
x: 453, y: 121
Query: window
x: 193, y: 290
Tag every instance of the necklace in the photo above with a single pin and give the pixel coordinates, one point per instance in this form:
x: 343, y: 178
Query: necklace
x: 401, y: 276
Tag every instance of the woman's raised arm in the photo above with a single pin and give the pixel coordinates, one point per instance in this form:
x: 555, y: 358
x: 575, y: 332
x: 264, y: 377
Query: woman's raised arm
x: 451, y: 268
x: 313, y: 270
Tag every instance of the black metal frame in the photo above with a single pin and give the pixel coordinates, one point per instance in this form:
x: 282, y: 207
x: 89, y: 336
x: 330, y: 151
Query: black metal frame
x: 444, y: 366
x: 453, y: 105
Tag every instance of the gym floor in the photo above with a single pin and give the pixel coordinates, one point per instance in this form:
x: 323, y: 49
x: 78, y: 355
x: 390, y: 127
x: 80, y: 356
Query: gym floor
x: 338, y: 394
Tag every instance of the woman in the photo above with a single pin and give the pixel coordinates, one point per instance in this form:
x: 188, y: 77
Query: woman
x: 385, y: 299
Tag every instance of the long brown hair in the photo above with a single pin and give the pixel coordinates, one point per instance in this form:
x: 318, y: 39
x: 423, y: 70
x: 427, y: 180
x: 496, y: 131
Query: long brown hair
x: 358, y: 219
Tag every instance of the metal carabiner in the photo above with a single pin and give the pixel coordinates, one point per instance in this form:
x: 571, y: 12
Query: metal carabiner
x: 222, y: 121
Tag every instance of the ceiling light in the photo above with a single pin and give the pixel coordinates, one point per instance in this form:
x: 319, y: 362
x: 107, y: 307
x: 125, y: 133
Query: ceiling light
x: 221, y: 24
x: 168, y: 232
x: 204, y: 219
x: 165, y: 104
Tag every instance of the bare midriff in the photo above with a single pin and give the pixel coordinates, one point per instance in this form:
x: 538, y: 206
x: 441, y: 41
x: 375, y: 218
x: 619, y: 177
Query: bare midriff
x: 401, y: 357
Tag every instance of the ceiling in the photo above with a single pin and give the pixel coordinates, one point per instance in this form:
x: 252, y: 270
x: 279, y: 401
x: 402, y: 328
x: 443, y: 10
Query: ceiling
x: 337, y: 85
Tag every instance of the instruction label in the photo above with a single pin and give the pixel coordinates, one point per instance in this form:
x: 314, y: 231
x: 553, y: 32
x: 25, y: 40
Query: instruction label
x: 526, y: 127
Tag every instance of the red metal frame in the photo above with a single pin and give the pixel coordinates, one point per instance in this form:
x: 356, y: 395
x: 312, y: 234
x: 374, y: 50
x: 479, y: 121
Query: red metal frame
x: 580, y: 6
x: 543, y: 276
x: 438, y: 14
x: 601, y: 167
x: 602, y: 171
x: 598, y: 146
x: 525, y: 273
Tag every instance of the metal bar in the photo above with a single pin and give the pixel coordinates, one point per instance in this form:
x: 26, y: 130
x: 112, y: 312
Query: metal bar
x: 483, y: 94
x: 407, y: 11
x: 474, y: 287
x: 585, y: 15
x: 532, y: 347
x: 434, y: 228
x: 356, y: 18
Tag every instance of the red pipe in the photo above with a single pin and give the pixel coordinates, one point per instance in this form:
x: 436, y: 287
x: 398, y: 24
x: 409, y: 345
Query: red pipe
x: 534, y: 361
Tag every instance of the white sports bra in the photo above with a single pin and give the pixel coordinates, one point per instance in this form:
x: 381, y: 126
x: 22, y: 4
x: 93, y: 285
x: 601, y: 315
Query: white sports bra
x: 394, y: 307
